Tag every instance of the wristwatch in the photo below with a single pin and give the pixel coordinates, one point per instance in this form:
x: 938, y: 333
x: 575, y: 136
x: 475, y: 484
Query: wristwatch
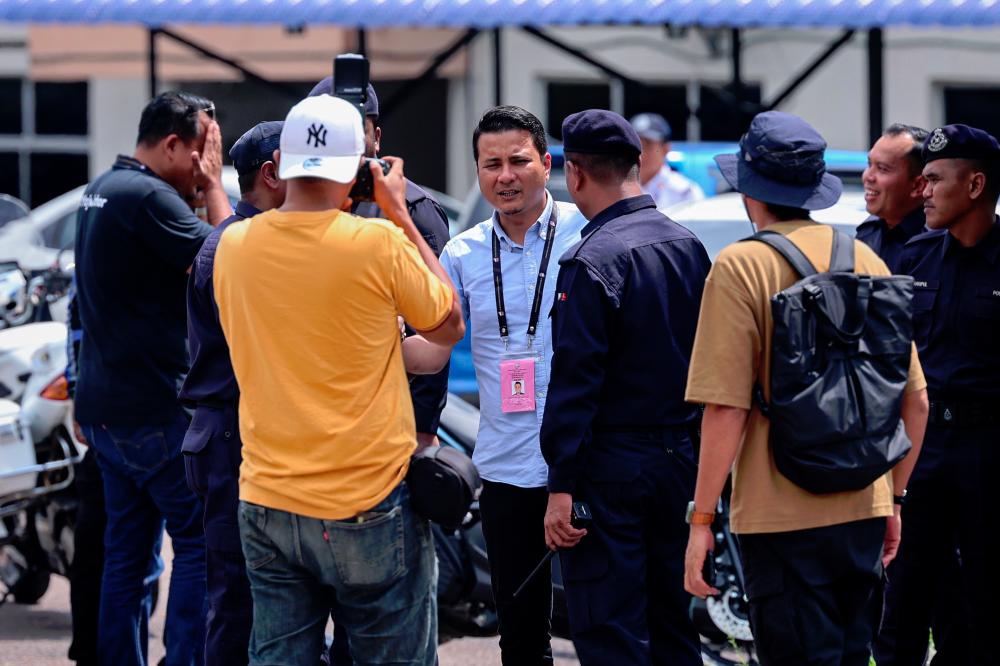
x: 693, y: 517
x: 900, y: 499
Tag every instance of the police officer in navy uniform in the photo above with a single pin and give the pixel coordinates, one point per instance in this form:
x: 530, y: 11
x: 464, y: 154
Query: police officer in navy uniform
x: 616, y: 432
x: 212, y: 443
x: 893, y: 192
x: 956, y: 317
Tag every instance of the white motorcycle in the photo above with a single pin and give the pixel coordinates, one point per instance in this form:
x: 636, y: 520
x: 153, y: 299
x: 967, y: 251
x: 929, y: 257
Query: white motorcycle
x: 38, y: 452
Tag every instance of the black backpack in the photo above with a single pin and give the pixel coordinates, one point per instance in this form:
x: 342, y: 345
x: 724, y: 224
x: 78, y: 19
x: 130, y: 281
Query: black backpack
x: 840, y: 358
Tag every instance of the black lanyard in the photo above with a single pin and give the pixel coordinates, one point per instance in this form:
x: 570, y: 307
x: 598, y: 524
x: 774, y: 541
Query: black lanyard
x: 536, y: 304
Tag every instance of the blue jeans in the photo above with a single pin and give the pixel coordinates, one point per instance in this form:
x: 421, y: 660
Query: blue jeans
x: 377, y: 577
x: 144, y: 486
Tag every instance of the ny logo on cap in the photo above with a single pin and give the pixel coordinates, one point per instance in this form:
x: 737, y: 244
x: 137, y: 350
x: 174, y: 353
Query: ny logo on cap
x: 937, y: 141
x: 317, y: 135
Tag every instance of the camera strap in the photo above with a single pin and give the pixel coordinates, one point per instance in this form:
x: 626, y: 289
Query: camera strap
x: 536, y: 304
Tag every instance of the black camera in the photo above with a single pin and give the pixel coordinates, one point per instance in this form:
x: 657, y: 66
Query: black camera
x: 364, y: 186
x: 350, y: 82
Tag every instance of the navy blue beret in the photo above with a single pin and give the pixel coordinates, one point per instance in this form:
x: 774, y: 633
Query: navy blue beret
x: 256, y: 146
x: 325, y: 87
x: 960, y: 142
x: 599, y: 132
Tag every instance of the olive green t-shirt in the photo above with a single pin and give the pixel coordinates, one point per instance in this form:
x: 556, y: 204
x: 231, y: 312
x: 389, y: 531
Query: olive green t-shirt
x: 732, y: 352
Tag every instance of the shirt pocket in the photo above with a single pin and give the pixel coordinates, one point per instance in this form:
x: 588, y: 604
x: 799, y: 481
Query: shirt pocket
x: 925, y: 294
x: 979, y: 322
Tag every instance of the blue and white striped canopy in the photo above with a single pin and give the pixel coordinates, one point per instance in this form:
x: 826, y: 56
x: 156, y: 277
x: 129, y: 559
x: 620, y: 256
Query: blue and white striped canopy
x: 497, y: 13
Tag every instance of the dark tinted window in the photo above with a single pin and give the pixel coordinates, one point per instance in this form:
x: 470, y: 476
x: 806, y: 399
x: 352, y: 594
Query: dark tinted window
x: 10, y: 106
x: 61, y: 108
x: 53, y: 174
x: 975, y: 106
x: 670, y: 101
x: 567, y: 98
x: 721, y: 116
x: 9, y: 181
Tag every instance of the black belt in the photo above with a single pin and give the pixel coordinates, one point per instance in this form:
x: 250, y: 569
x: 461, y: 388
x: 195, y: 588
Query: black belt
x: 963, y: 414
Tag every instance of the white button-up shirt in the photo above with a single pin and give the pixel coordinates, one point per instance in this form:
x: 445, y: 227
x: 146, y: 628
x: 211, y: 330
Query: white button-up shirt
x: 507, y: 449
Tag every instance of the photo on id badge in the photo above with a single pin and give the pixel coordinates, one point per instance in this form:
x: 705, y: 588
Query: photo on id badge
x: 517, y: 383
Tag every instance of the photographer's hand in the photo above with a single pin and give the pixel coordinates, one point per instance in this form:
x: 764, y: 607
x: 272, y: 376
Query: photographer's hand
x: 390, y: 195
x: 390, y: 191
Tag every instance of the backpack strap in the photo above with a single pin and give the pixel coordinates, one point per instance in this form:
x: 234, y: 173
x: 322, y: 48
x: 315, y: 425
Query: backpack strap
x: 842, y: 254
x: 788, y: 250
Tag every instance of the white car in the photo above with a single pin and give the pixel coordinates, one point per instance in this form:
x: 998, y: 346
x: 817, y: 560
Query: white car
x: 35, y: 241
x: 720, y: 220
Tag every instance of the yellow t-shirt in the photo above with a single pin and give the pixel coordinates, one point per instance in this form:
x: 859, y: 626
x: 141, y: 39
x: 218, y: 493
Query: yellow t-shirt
x: 732, y: 350
x: 308, y: 303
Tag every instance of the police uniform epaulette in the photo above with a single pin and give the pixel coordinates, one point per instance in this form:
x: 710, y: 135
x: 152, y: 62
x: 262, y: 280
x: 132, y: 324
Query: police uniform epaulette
x: 927, y: 236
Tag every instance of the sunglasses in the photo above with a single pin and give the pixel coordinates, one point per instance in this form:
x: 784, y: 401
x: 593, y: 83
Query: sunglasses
x: 209, y: 111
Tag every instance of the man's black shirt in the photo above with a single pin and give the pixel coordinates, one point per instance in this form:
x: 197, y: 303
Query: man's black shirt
x: 429, y: 392
x: 956, y: 313
x: 135, y: 240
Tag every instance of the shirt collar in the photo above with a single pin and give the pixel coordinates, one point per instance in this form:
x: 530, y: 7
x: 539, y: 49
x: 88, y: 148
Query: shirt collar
x: 129, y: 162
x: 245, y: 209
x: 911, y: 225
x: 989, y: 246
x: 617, y: 209
x: 540, y: 227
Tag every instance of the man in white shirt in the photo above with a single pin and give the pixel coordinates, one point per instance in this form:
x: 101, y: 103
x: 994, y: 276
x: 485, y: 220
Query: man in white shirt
x: 514, y: 254
x: 658, y: 180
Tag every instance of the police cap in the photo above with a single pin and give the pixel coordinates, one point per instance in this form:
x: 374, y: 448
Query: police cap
x: 256, y: 146
x: 325, y: 87
x: 960, y: 142
x: 652, y: 126
x: 599, y: 132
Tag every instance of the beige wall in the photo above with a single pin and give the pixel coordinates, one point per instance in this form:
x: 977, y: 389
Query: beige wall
x: 73, y: 53
x: 918, y: 63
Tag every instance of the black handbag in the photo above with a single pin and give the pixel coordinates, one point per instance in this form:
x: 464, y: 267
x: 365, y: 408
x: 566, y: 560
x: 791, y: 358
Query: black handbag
x: 443, y: 485
x: 840, y: 358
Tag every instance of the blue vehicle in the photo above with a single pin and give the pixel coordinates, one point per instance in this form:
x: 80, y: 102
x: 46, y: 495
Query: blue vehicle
x: 694, y: 160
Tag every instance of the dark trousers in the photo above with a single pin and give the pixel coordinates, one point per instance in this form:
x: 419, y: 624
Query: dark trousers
x: 625, y: 579
x: 87, y: 569
x: 943, y: 577
x: 513, y: 526
x: 810, y: 593
x: 212, y: 457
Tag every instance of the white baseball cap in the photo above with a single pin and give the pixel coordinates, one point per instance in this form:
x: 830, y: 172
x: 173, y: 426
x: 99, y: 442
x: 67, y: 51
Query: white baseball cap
x: 323, y: 137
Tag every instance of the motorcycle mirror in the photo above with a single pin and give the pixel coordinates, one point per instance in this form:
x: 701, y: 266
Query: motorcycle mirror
x: 66, y: 260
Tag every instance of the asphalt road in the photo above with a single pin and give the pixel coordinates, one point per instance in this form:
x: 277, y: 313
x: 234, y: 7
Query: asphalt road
x: 39, y: 635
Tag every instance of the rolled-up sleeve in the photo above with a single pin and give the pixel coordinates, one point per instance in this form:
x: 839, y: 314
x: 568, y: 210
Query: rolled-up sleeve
x: 727, y: 343
x: 422, y: 298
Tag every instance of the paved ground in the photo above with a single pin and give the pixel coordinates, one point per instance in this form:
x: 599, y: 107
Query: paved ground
x: 39, y: 635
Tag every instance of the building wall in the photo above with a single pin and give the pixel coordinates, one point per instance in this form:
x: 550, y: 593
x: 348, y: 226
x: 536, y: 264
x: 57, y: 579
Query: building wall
x: 918, y: 64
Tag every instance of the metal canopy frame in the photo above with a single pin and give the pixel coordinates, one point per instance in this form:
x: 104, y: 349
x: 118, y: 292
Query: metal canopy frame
x: 875, y: 68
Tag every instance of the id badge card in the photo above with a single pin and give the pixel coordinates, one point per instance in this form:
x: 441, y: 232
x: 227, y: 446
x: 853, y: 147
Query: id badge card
x: 517, y: 383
